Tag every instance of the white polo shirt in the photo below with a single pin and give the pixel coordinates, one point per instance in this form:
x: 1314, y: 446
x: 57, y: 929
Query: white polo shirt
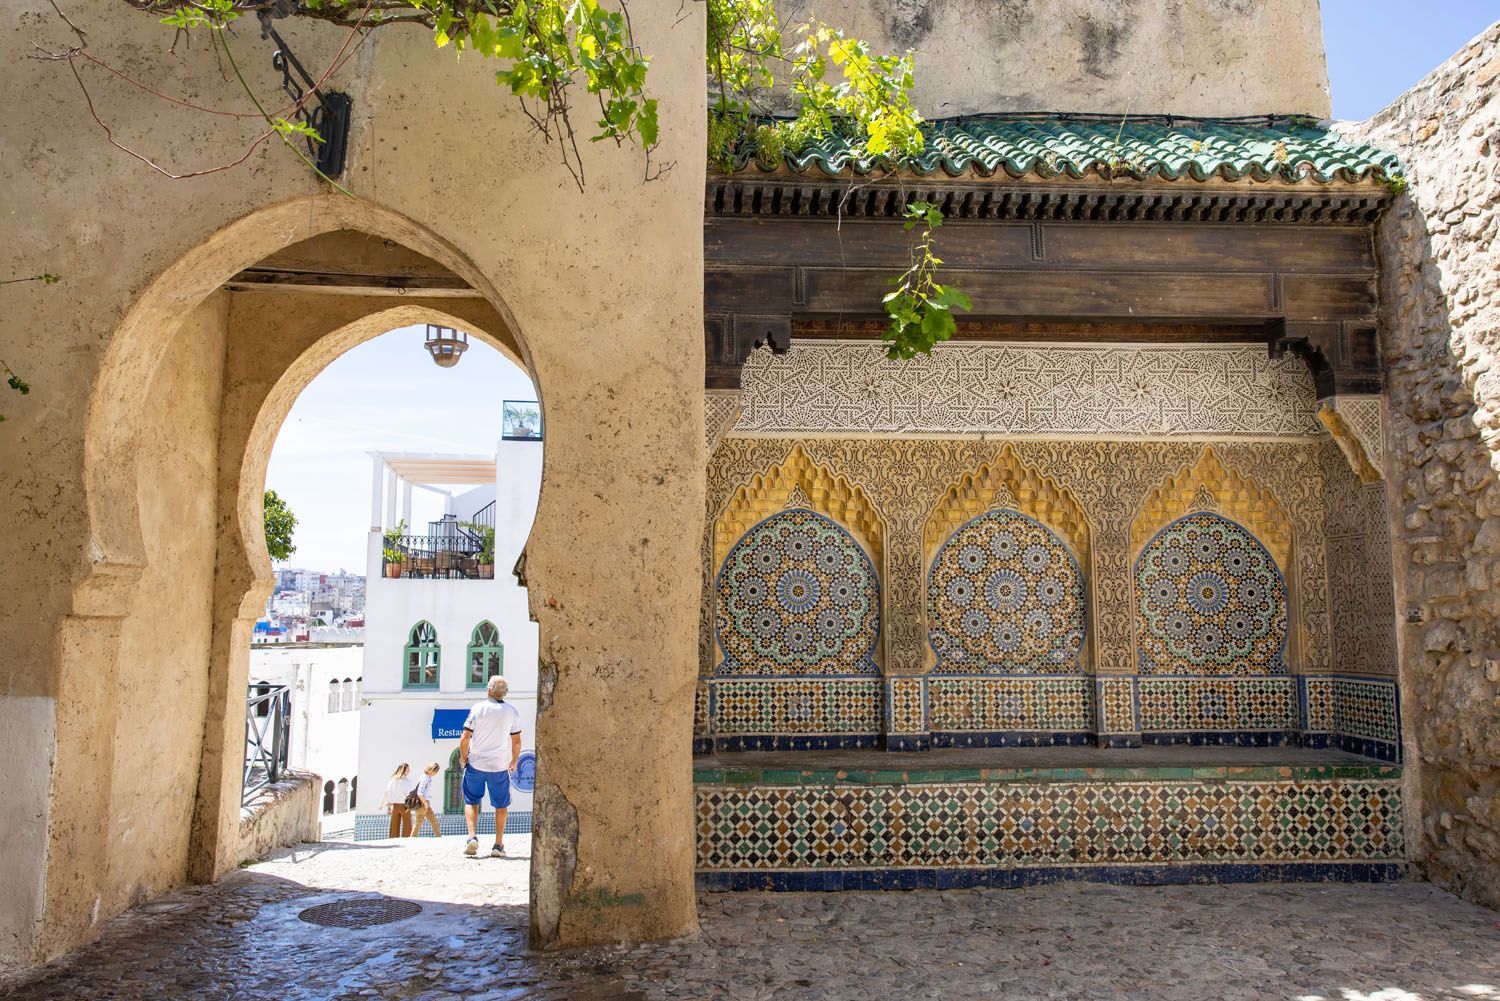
x: 490, y: 724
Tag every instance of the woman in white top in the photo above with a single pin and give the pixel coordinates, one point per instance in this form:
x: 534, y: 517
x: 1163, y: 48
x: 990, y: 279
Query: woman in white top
x: 424, y: 810
x: 394, y: 801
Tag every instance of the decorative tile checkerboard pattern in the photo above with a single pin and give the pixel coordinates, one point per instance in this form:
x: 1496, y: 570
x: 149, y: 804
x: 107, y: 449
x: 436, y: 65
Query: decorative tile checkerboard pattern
x: 1117, y: 705
x: 1320, y: 707
x: 1019, y: 824
x: 796, y: 706
x: 991, y: 704
x: 1209, y: 600
x: 700, y: 709
x: 906, y: 700
x: 1366, y: 707
x: 797, y: 596
x: 1005, y: 596
x: 1194, y: 704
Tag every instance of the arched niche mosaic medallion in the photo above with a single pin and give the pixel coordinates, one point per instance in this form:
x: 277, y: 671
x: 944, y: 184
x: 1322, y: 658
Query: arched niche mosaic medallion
x: 797, y: 596
x: 1210, y: 600
x: 1005, y: 596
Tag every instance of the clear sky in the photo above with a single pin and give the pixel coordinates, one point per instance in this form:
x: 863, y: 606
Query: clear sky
x: 1378, y: 48
x: 384, y: 396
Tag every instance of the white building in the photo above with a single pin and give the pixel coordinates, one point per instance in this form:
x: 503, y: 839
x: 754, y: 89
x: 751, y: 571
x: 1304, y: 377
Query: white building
x: 440, y: 620
x: 325, y: 681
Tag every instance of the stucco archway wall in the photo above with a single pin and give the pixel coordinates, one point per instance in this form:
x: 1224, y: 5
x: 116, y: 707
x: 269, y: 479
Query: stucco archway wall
x: 277, y: 345
x: 592, y: 279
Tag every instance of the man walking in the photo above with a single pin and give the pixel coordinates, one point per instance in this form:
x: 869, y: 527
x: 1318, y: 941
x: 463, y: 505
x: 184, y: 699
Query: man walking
x: 488, y: 751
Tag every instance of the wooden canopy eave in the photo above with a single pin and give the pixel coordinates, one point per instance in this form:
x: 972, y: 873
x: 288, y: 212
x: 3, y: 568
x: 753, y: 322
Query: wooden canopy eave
x: 1292, y: 263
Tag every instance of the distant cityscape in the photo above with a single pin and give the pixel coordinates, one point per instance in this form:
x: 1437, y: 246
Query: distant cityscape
x: 313, y: 606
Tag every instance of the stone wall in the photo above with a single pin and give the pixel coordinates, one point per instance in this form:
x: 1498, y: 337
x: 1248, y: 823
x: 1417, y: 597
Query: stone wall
x: 1209, y: 57
x: 284, y: 813
x: 1440, y: 251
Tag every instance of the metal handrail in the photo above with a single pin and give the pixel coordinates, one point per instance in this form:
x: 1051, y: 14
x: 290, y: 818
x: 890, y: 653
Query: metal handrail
x: 268, y: 733
x: 452, y: 554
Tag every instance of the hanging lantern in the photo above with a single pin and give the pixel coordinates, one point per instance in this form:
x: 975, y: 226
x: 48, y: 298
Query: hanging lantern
x: 446, y: 345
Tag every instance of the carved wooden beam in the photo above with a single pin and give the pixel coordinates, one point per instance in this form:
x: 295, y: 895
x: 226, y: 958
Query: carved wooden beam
x: 1307, y: 283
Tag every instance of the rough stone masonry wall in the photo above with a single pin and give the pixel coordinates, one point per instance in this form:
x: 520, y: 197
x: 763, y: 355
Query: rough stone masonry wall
x: 1441, y: 329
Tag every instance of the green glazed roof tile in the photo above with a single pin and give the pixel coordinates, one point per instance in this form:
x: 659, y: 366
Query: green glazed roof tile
x: 1265, y: 148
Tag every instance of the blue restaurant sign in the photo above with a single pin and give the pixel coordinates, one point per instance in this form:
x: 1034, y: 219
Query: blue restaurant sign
x: 448, y: 724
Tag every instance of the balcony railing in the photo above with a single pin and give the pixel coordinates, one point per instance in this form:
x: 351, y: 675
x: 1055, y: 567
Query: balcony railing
x: 451, y: 550
x: 268, y: 732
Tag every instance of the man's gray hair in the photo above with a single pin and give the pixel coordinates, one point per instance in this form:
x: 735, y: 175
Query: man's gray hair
x: 498, y: 686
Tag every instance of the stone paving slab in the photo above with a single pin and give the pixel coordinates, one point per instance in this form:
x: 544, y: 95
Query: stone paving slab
x: 242, y: 939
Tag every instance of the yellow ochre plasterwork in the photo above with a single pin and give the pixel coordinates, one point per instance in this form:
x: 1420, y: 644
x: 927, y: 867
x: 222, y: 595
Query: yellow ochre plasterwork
x: 823, y: 491
x: 1208, y: 485
x: 1006, y: 482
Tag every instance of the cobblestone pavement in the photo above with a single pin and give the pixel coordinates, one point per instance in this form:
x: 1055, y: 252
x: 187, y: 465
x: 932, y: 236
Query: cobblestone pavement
x: 242, y: 939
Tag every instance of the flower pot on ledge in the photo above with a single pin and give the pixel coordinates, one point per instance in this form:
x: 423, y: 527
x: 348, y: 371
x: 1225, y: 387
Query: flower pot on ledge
x: 393, y: 570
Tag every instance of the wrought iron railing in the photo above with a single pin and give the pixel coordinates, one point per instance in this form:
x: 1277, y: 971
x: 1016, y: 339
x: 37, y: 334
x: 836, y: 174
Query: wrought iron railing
x: 430, y: 556
x: 452, y: 548
x: 268, y: 732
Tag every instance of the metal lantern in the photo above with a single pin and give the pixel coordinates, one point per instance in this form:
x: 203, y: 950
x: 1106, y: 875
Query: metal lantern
x: 446, y: 345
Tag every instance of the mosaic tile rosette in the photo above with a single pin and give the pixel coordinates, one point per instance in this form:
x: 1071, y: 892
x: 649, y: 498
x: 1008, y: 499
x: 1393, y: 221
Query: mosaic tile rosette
x: 1210, y: 601
x: 1005, y: 596
x: 797, y: 596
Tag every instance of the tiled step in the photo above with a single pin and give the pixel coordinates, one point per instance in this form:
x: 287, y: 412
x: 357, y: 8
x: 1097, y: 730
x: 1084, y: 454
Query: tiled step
x: 1013, y: 822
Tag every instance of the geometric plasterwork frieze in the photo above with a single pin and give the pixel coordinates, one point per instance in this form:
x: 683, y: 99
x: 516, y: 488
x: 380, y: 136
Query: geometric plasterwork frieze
x: 721, y: 408
x: 1357, y: 425
x: 1054, y: 389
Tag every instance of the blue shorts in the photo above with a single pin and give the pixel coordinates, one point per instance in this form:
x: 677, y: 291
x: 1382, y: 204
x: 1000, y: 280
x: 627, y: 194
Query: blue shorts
x: 476, y: 782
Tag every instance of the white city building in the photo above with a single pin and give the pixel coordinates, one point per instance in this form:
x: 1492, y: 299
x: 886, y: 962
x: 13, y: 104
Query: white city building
x: 325, y: 681
x: 443, y: 613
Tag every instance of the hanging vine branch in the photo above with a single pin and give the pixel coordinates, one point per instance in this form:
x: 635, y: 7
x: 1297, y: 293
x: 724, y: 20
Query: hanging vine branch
x: 554, y: 53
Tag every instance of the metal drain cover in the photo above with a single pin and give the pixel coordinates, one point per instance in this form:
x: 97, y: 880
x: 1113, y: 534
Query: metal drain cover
x: 363, y: 912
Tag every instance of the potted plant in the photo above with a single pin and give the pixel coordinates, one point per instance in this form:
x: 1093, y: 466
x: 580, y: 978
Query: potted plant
x: 525, y: 419
x: 391, y: 552
x: 485, y: 558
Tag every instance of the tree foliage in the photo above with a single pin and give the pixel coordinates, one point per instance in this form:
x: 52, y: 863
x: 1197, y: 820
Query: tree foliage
x: 279, y: 523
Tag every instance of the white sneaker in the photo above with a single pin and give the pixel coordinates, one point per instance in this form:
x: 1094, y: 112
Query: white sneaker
x: 472, y: 847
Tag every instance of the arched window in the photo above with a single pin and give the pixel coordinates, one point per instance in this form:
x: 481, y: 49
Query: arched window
x: 334, y: 696
x: 422, y: 654
x: 353, y: 792
x: 341, y: 797
x: 486, y: 654
x: 359, y: 690
x: 348, y: 701
x: 327, y: 797
x: 453, y: 780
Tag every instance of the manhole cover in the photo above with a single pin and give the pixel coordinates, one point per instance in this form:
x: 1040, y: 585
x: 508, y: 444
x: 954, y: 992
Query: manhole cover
x: 361, y: 913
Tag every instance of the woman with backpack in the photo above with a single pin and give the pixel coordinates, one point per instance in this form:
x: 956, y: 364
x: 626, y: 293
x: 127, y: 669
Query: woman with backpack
x: 397, y: 792
x: 423, y: 810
